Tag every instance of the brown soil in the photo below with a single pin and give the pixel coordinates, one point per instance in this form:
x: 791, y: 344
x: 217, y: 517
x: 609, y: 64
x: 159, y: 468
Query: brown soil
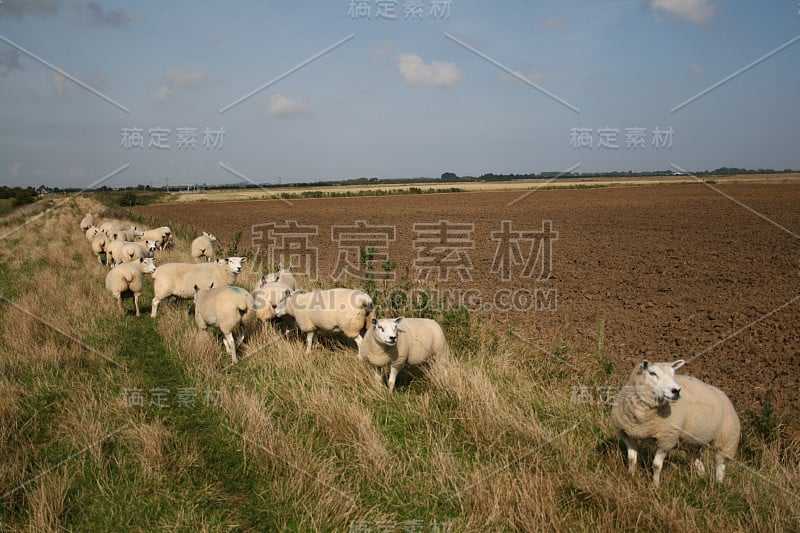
x: 674, y: 271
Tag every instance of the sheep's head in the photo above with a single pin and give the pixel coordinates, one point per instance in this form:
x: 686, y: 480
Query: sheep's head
x: 386, y: 330
x: 151, y: 245
x: 234, y: 264
x: 149, y: 266
x: 211, y: 237
x: 659, y: 379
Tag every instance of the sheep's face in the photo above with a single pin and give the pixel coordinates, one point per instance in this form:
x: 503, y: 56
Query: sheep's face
x: 148, y: 265
x: 659, y: 378
x: 386, y: 330
x: 234, y: 263
x: 151, y: 246
x: 211, y: 237
x: 280, y: 309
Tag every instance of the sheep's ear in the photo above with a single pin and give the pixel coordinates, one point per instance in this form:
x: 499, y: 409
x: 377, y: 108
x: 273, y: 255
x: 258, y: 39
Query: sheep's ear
x: 374, y: 321
x: 211, y: 286
x: 141, y: 260
x: 196, y: 288
x: 397, y: 320
x: 644, y: 365
x: 677, y: 364
x: 244, y: 260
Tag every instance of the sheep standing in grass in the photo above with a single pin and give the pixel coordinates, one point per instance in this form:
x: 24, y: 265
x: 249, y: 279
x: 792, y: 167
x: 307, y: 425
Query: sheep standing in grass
x: 203, y: 246
x: 131, y: 251
x: 402, y: 341
x: 126, y: 278
x: 110, y: 226
x: 114, y: 255
x: 283, y: 275
x: 656, y: 404
x: 160, y: 235
x: 268, y: 295
x: 129, y: 234
x: 92, y: 232
x: 87, y: 222
x: 338, y: 310
x: 179, y: 279
x: 228, y: 308
x: 99, y: 244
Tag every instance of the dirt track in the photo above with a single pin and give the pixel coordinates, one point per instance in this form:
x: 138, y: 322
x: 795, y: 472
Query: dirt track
x: 673, y: 270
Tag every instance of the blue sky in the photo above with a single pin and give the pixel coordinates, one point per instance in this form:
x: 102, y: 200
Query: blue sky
x: 397, y: 99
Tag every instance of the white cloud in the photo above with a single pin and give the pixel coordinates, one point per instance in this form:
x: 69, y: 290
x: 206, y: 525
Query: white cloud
x: 163, y: 94
x: 552, y: 23
x: 185, y: 78
x: 434, y: 74
x: 697, y: 70
x: 697, y: 11
x: 282, y: 106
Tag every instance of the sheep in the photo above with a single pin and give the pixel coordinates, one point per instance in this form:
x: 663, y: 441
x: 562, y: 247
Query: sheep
x: 339, y: 310
x: 92, y: 232
x: 110, y: 226
x: 203, y: 246
x: 130, y: 251
x: 127, y: 277
x: 657, y: 404
x: 283, y: 275
x: 114, y: 251
x: 267, y: 295
x: 160, y: 235
x: 229, y: 309
x: 402, y: 341
x: 129, y: 234
x: 179, y: 279
x: 87, y: 222
x: 99, y: 244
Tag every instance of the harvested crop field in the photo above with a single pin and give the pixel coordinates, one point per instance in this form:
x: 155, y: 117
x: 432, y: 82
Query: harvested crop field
x: 708, y: 273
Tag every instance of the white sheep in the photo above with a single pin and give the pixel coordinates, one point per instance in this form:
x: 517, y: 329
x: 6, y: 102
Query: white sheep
x: 110, y: 226
x: 402, y: 341
x: 92, y: 232
x: 283, y: 275
x: 87, y: 222
x: 203, y: 246
x: 99, y: 244
x: 228, y: 308
x: 160, y: 235
x: 338, y: 310
x: 179, y: 279
x: 127, y: 277
x: 267, y: 295
x: 656, y: 404
x: 129, y: 234
x: 131, y: 251
x: 114, y: 255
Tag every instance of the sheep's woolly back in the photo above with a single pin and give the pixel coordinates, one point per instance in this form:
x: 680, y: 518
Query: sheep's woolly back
x: 203, y: 246
x: 267, y: 296
x: 343, y: 310
x: 228, y: 308
x: 179, y: 279
x: 127, y: 277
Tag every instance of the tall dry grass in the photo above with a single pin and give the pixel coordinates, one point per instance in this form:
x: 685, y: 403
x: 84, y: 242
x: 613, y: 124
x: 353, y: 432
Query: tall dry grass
x: 309, y: 442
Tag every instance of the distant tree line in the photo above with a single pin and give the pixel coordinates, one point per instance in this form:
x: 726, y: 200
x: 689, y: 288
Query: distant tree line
x: 18, y: 195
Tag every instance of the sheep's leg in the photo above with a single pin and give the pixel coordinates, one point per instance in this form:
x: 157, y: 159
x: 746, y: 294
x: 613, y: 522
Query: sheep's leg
x: 392, y: 377
x: 358, y: 340
x: 154, y: 307
x: 136, y: 303
x: 658, y: 463
x: 309, y: 341
x: 378, y: 375
x: 230, y: 346
x: 719, y: 459
x: 119, y: 302
x: 633, y: 454
x: 698, y: 462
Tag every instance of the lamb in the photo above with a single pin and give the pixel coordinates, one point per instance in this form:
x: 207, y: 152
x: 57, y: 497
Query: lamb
x: 160, y: 235
x: 228, y: 308
x: 339, y: 310
x: 99, y: 244
x: 87, y: 222
x: 203, y: 246
x: 127, y: 277
x: 267, y: 295
x: 179, y: 279
x: 657, y: 404
x: 402, y: 341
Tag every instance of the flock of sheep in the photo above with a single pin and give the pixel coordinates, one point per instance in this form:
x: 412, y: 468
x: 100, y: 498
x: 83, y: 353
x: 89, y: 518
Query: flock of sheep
x: 655, y: 403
